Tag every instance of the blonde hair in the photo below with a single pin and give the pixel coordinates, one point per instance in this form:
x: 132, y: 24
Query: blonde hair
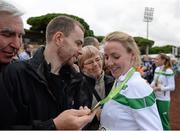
x: 87, y: 52
x: 127, y: 42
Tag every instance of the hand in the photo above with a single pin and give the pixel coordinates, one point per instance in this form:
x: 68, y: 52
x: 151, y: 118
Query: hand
x: 153, y: 86
x: 74, y: 119
x: 157, y: 88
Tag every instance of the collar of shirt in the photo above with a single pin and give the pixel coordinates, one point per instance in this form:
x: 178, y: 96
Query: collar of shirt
x: 122, y: 77
x: 101, y: 79
x: 161, y: 67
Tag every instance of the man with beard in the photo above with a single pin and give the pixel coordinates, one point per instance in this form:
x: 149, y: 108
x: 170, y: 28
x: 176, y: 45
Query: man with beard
x: 36, y: 94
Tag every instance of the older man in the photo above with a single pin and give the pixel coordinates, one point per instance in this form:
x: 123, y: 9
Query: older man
x: 11, y: 31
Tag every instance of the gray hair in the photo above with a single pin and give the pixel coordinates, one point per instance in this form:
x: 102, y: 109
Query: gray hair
x: 91, y: 41
x: 9, y: 8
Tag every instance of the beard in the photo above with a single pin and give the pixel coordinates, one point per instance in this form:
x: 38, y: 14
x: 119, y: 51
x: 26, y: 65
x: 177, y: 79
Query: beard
x: 66, y: 57
x: 72, y: 60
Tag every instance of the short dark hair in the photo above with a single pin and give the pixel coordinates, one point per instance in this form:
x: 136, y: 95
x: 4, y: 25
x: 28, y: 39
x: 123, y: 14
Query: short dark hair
x: 90, y: 41
x: 64, y: 24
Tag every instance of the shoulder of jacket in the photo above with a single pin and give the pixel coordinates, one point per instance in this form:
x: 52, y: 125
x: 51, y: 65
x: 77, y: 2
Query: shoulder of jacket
x: 138, y: 87
x: 169, y: 71
x: 16, y: 67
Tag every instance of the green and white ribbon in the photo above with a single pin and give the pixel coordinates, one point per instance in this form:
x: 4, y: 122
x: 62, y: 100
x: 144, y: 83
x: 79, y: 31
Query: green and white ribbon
x: 115, y: 90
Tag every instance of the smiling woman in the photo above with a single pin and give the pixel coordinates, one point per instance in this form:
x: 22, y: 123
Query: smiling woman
x: 98, y: 83
x: 131, y: 96
x: 90, y: 62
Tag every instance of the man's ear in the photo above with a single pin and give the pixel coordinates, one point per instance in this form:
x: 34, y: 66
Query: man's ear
x: 58, y: 38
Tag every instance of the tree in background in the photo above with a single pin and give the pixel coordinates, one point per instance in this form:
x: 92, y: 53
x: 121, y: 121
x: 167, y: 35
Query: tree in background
x: 162, y: 49
x: 100, y: 38
x: 39, y: 23
x: 143, y: 43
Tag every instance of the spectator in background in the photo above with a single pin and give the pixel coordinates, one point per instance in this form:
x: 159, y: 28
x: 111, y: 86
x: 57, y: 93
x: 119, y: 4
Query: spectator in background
x: 94, y: 42
x: 131, y: 98
x: 163, y: 84
x: 88, y: 41
x: 174, y: 65
x: 91, y: 41
x: 148, y: 68
x: 37, y: 91
x: 99, y: 84
x: 26, y: 54
x: 140, y: 69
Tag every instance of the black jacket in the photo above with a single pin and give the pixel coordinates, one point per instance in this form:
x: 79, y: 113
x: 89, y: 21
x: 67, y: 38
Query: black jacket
x: 37, y: 96
x: 2, y: 67
x: 90, y: 86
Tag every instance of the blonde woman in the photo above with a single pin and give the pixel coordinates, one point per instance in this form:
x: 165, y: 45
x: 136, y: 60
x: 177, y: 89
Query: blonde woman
x: 163, y: 84
x: 132, y: 105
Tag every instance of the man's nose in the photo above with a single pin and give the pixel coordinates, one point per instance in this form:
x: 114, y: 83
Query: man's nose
x: 80, y: 51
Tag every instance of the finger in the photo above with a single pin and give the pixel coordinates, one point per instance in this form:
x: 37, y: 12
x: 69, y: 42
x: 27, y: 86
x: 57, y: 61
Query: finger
x: 86, y: 108
x: 82, y: 112
x: 84, y: 120
x: 80, y: 108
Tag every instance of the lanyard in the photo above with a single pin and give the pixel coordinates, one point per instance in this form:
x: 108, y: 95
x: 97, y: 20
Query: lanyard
x: 160, y: 73
x: 163, y: 73
x: 115, y: 90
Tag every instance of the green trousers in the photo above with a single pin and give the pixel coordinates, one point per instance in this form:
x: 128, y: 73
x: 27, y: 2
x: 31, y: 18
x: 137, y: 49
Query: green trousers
x: 163, y: 109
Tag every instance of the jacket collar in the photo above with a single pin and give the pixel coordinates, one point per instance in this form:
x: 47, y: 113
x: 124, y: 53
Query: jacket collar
x: 38, y: 62
x: 122, y: 77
